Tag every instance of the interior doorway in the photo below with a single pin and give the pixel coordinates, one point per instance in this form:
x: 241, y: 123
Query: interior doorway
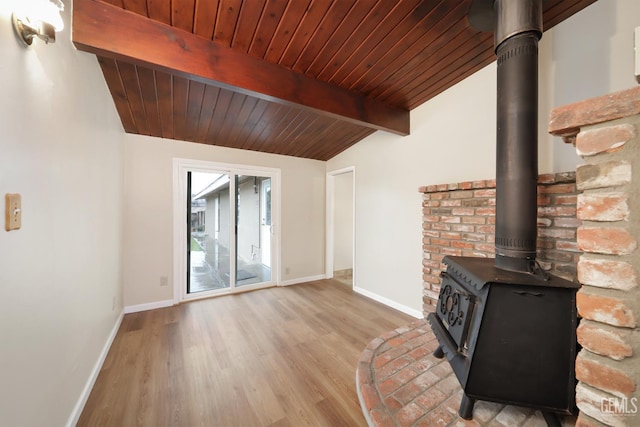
x: 225, y: 218
x: 341, y: 225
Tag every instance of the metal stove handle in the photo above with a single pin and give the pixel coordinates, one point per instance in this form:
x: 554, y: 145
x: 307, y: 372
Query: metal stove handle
x: 535, y: 294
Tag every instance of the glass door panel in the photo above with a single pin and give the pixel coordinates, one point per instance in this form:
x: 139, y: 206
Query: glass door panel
x: 208, y: 235
x: 229, y: 225
x: 253, y: 230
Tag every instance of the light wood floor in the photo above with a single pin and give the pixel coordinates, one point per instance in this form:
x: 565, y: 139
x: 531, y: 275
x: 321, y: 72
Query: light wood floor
x: 274, y: 357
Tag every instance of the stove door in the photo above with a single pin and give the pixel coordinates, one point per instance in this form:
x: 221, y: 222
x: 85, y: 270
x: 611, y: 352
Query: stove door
x: 455, y: 310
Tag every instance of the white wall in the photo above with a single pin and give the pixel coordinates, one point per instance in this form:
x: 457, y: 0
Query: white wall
x: 61, y: 148
x: 148, y: 242
x: 391, y: 168
x: 588, y: 55
x: 459, y: 125
x: 343, y: 221
x: 210, y: 214
x: 248, y: 220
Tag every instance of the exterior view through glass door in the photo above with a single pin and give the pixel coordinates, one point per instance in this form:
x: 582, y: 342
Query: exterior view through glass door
x: 253, y: 244
x: 229, y: 231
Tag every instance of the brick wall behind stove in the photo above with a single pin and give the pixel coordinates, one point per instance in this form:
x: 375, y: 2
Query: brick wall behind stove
x: 459, y: 219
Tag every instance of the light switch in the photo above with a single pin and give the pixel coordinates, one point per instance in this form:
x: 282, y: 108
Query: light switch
x: 637, y: 53
x: 13, y: 212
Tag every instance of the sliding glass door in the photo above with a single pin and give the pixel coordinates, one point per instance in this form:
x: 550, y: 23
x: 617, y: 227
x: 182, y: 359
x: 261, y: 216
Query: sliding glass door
x: 229, y: 231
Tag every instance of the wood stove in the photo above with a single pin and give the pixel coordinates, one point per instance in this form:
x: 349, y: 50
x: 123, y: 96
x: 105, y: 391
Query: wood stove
x: 507, y: 327
x: 509, y: 336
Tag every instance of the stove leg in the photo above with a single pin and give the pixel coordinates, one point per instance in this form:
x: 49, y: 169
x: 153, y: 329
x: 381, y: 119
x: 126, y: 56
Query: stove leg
x: 438, y: 352
x: 466, y: 407
x: 552, y: 419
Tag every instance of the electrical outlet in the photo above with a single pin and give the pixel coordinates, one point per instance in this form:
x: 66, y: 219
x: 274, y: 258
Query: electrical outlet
x: 286, y: 270
x: 164, y: 281
x: 13, y: 212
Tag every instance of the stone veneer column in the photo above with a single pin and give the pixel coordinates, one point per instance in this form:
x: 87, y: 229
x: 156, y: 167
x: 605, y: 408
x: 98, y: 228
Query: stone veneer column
x: 605, y: 133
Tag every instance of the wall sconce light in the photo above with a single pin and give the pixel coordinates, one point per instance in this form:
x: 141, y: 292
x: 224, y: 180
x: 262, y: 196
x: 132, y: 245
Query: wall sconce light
x: 38, y: 18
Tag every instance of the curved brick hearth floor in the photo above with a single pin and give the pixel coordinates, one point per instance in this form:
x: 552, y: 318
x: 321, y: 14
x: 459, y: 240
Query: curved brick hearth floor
x: 400, y: 383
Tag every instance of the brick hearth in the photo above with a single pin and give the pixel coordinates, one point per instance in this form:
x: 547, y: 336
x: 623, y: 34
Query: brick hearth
x: 400, y: 383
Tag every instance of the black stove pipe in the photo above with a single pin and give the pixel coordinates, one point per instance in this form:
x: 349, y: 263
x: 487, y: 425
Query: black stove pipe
x: 518, y: 28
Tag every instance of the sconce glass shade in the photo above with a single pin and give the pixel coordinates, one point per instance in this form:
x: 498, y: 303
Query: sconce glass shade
x: 38, y: 18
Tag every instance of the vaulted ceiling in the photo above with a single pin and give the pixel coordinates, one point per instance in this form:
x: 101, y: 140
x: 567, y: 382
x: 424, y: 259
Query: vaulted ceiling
x: 305, y: 78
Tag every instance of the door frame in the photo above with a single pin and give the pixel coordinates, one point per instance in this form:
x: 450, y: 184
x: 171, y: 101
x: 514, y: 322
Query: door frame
x: 180, y: 168
x: 330, y: 223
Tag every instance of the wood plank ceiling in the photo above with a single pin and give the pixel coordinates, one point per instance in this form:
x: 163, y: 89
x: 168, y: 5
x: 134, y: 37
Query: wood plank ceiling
x: 305, y: 78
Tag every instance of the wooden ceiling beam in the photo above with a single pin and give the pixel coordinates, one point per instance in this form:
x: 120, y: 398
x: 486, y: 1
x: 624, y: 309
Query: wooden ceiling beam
x: 110, y: 31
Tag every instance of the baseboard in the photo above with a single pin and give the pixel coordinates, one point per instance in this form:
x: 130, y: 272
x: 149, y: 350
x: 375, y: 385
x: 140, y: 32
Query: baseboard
x: 77, y: 410
x: 348, y: 272
x: 303, y: 280
x: 386, y: 301
x: 148, y: 306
